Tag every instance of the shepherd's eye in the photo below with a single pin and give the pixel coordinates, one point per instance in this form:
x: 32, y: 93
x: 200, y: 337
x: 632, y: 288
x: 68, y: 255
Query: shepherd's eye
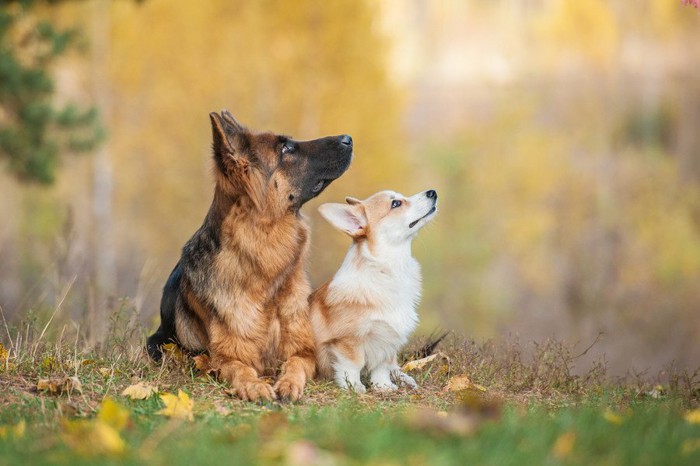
x: 395, y: 204
x: 287, y: 148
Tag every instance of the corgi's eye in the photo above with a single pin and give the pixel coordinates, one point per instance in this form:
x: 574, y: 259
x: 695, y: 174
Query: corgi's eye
x: 288, y: 148
x: 395, y: 204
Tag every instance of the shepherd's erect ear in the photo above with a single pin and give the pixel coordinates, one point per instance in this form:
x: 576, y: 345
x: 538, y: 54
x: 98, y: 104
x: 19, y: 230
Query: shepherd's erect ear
x: 348, y: 218
x: 220, y: 142
x: 352, y: 200
x: 232, y: 121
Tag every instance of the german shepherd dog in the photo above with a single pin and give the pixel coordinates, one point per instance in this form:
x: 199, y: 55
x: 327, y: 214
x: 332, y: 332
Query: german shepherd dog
x: 240, y: 289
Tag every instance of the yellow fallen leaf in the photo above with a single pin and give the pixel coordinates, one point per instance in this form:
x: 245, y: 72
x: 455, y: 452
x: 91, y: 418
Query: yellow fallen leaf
x: 421, y: 363
x: 563, y: 445
x: 49, y: 363
x: 58, y: 385
x: 16, y: 431
x: 203, y: 364
x: 3, y: 354
x: 418, y: 363
x: 693, y: 416
x: 140, y: 391
x: 462, y: 382
x: 5, y: 359
x: 113, y: 414
x: 178, y: 407
x: 92, y: 437
x: 174, y: 351
x: 612, y: 417
x: 105, y: 371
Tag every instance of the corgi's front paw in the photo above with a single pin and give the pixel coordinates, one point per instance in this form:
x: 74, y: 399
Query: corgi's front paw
x: 351, y: 385
x: 384, y: 387
x: 406, y: 379
x: 358, y: 388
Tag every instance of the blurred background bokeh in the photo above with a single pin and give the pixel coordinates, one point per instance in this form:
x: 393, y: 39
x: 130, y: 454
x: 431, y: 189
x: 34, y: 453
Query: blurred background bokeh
x: 563, y: 138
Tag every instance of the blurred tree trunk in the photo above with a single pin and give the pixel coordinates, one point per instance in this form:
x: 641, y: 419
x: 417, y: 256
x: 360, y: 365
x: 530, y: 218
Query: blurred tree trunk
x: 102, y: 243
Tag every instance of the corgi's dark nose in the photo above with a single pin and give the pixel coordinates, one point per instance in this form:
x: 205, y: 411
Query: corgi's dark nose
x: 431, y: 194
x: 346, y: 139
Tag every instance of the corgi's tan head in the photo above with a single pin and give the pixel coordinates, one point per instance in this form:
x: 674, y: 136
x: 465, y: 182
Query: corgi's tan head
x: 385, y: 218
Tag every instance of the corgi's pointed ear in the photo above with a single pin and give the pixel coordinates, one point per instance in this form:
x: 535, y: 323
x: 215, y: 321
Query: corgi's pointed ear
x: 352, y: 200
x: 348, y: 218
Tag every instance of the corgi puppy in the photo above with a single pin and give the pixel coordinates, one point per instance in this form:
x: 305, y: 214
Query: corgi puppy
x: 366, y: 312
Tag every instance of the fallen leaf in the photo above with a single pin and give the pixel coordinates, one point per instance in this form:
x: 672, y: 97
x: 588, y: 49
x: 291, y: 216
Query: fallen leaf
x: 177, y: 407
x: 612, y: 417
x: 693, y: 417
x: 105, y: 371
x: 139, y: 391
x: 49, y: 363
x: 5, y: 363
x: 174, y: 352
x: 418, y: 363
x: 113, y: 414
x: 203, y: 364
x: 421, y: 363
x: 16, y: 431
x: 564, y: 445
x: 59, y: 385
x: 462, y: 382
x: 92, y: 437
x: 3, y: 354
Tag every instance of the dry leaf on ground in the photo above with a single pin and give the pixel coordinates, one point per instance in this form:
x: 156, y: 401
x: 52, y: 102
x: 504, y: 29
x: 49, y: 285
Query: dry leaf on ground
x: 421, y: 363
x: 693, y: 416
x: 58, y: 385
x: 462, y: 382
x: 177, y: 407
x: 564, y: 445
x: 612, y: 417
x: 140, y: 391
x: 98, y: 436
x: 5, y: 359
x: 203, y: 364
x: 173, y: 351
x: 113, y: 414
x: 92, y: 437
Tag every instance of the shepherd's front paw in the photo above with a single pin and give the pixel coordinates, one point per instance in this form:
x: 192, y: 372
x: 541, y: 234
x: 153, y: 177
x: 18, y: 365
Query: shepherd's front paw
x: 288, y: 388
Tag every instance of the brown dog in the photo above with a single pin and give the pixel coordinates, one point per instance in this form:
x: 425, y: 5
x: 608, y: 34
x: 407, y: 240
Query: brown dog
x: 240, y: 290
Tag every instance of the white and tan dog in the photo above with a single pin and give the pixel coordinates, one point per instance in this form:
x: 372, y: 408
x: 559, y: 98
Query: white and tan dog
x: 366, y: 312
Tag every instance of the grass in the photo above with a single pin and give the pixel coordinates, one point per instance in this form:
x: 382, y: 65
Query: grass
x: 523, y: 405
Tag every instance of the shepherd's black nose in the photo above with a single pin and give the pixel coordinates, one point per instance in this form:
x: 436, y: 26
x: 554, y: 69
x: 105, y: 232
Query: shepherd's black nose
x: 346, y: 139
x: 431, y: 194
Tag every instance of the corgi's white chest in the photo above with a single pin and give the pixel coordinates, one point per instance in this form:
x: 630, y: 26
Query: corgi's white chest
x: 391, y: 293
